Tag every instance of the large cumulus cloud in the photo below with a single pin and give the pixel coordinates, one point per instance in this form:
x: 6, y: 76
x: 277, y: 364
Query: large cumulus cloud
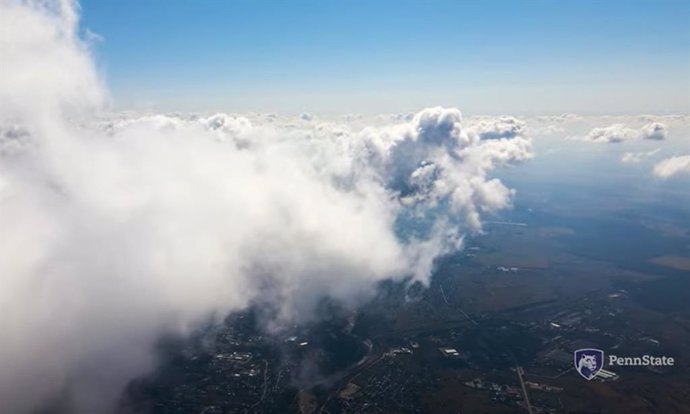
x: 117, y: 229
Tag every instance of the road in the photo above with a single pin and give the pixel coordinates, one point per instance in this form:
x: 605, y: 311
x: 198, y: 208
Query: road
x: 263, y: 394
x: 445, y: 299
x: 520, y: 373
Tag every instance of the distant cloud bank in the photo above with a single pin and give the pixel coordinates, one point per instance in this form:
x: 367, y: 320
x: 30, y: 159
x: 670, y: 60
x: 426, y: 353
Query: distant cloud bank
x: 617, y: 133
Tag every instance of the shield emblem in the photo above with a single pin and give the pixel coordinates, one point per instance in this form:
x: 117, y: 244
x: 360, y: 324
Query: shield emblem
x: 588, y: 362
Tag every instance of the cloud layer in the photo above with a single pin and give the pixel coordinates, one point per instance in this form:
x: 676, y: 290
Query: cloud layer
x: 117, y: 229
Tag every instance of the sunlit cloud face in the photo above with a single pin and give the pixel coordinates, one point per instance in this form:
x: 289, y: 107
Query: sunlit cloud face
x: 118, y: 229
x: 672, y: 166
x: 618, y: 133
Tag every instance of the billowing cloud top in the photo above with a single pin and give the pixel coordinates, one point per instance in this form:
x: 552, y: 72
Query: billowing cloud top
x: 496, y: 128
x: 654, y: 130
x: 118, y: 228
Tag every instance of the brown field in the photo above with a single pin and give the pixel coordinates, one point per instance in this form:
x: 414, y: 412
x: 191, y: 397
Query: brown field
x: 674, y: 262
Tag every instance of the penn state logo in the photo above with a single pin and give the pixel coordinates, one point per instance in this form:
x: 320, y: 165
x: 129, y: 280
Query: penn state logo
x: 588, y: 362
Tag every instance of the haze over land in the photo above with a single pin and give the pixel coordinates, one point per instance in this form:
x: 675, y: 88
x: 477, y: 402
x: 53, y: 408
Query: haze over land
x: 120, y: 227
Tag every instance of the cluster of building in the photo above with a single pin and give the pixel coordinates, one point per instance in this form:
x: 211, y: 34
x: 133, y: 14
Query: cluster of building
x: 503, y: 393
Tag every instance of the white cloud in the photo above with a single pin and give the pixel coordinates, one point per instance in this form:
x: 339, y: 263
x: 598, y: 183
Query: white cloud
x: 637, y: 157
x: 503, y: 127
x: 117, y: 230
x: 654, y: 130
x: 44, y: 64
x: 612, y: 134
x: 617, y: 133
x: 672, y: 166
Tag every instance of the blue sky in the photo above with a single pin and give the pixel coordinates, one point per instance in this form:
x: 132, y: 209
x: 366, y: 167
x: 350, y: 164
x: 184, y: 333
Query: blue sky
x: 518, y: 57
